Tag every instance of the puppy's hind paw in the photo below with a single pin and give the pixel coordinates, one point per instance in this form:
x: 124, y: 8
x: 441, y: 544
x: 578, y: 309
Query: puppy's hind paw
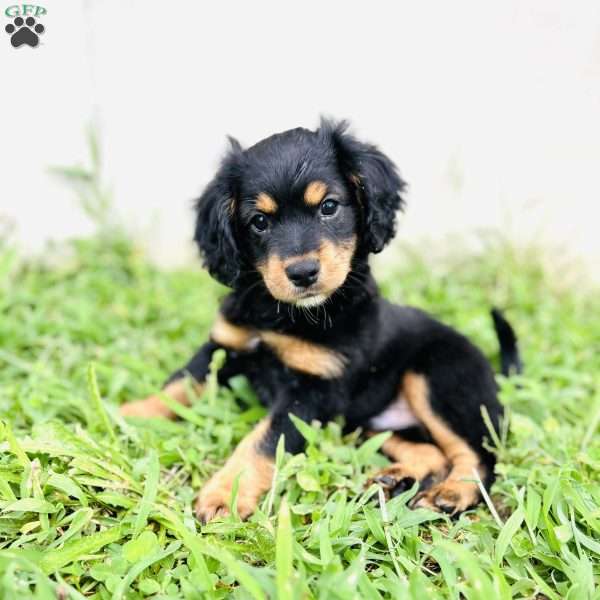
x: 398, y: 478
x: 451, y: 497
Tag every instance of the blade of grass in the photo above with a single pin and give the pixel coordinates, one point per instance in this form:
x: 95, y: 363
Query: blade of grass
x: 97, y: 402
x: 140, y: 566
x: 150, y: 491
x: 52, y: 560
x: 283, y: 553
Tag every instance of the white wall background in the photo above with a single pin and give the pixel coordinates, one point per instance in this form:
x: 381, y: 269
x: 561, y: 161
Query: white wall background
x: 491, y: 110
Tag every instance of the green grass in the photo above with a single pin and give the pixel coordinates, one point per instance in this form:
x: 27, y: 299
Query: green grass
x: 92, y: 506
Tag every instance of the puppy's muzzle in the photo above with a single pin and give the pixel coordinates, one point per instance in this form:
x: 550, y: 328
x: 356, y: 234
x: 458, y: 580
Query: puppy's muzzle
x: 303, y: 273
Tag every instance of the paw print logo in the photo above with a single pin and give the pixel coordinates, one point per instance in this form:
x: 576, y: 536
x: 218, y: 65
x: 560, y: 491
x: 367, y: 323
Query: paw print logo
x: 24, y: 32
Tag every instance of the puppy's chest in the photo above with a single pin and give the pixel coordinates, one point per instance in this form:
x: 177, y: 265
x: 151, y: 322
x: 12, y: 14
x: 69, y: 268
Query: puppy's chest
x: 380, y: 404
x: 292, y: 351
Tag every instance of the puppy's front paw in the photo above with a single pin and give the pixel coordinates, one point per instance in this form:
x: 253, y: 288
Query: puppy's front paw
x: 255, y: 472
x: 214, y: 499
x: 212, y: 503
x: 152, y: 406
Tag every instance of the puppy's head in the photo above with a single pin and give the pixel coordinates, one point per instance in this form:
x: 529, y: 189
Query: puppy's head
x: 298, y: 208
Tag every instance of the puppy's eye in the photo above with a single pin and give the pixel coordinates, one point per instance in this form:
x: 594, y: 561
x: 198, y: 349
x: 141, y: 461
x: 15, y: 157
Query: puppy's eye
x: 259, y: 223
x: 329, y: 207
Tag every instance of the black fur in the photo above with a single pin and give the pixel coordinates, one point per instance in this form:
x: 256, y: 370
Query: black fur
x: 214, y: 231
x: 380, y: 341
x: 510, y: 360
x: 379, y: 183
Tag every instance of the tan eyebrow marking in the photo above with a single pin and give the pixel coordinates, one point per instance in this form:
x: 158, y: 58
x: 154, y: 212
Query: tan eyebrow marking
x: 315, y: 192
x: 266, y: 203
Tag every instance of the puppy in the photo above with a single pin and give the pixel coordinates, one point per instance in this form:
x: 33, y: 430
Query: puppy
x: 289, y: 225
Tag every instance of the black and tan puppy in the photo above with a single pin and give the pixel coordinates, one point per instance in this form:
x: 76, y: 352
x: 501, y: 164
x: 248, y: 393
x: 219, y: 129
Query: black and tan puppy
x: 289, y: 225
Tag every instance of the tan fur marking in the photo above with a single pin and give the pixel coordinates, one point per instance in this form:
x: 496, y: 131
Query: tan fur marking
x: 304, y: 356
x: 296, y: 353
x: 334, y: 260
x: 153, y: 406
x: 422, y: 459
x: 277, y: 282
x: 458, y: 492
x: 233, y: 336
x: 266, y: 203
x: 256, y: 474
x: 315, y: 192
x: 355, y: 179
x: 274, y: 275
x: 231, y: 207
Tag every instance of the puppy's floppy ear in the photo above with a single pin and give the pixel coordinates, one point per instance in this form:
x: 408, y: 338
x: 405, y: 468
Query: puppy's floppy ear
x: 376, y: 178
x: 214, y: 232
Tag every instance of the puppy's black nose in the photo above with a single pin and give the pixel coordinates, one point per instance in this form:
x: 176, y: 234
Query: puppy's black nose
x: 303, y: 273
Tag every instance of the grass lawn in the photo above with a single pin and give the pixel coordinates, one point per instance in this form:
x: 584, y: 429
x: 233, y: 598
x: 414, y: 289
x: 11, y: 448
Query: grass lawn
x: 92, y: 506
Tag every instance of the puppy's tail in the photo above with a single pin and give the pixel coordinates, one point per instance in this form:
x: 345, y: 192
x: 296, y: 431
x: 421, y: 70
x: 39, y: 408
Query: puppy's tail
x: 510, y: 359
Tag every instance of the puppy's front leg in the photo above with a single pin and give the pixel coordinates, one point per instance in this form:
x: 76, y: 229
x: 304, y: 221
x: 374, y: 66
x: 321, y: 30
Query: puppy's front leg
x: 223, y: 334
x: 175, y: 387
x: 254, y: 462
x: 153, y: 406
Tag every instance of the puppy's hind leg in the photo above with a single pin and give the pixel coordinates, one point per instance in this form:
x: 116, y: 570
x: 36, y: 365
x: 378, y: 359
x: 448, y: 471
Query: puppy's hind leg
x: 459, y: 490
